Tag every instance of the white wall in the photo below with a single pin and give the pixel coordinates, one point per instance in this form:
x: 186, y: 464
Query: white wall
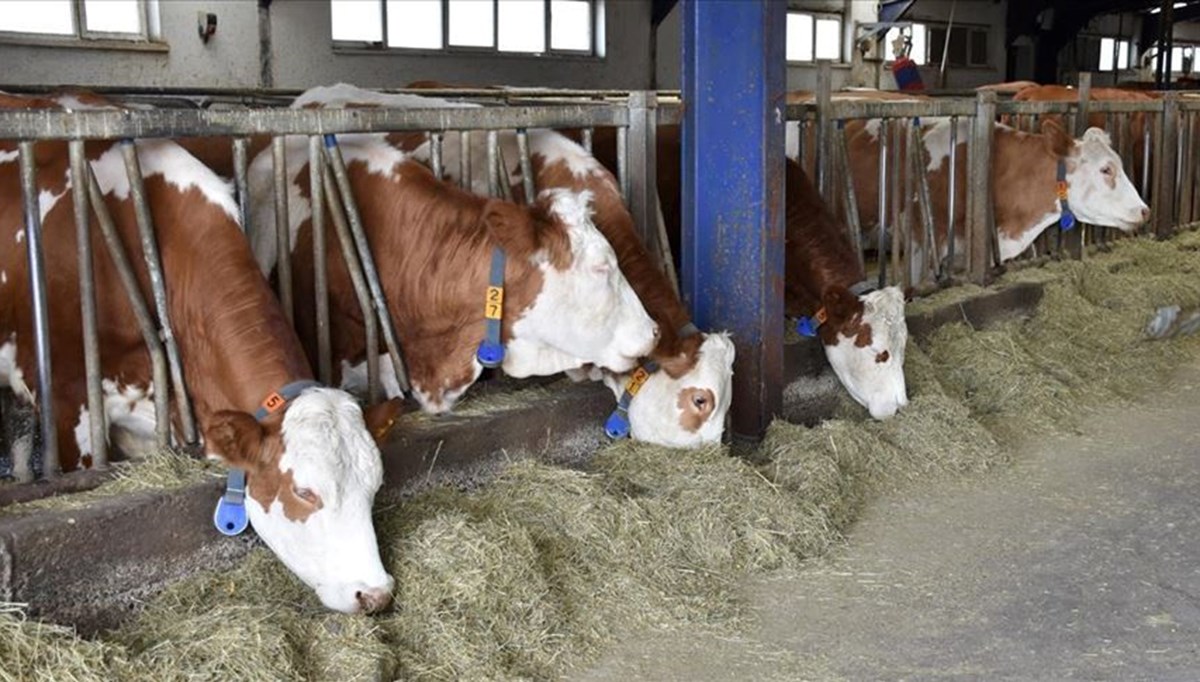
x: 303, y: 55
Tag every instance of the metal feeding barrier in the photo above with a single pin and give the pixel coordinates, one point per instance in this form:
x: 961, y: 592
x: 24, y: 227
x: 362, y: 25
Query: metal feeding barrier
x: 635, y: 117
x: 1156, y: 140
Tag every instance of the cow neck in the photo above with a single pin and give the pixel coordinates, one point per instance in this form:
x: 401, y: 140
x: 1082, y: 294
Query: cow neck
x: 1022, y: 165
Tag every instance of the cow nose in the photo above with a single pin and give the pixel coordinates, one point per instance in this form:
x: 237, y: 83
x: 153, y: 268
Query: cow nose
x: 373, y: 599
x: 1145, y: 213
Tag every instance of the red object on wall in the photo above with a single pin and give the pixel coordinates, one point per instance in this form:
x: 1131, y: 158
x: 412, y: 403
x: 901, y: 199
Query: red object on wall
x: 907, y: 75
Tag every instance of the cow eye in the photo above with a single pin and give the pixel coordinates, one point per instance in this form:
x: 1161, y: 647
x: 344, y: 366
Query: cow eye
x: 306, y: 494
x: 1107, y: 170
x: 699, y: 401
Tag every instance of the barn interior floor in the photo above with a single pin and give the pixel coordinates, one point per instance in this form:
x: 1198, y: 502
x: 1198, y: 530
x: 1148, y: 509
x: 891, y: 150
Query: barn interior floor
x: 1079, y: 562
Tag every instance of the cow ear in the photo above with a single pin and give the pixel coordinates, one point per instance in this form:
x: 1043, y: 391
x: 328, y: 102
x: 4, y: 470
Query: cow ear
x: 840, y: 304
x: 380, y: 418
x: 1058, y: 142
x: 235, y: 438
x: 1094, y: 134
x: 510, y: 226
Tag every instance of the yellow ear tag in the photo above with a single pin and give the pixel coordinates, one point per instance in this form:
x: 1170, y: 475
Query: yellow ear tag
x: 640, y: 375
x: 493, y: 309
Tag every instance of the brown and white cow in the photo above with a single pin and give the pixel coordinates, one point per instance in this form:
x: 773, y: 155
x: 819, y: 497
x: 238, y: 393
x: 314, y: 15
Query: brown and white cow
x: 566, y: 303
x: 312, y: 467
x: 685, y: 403
x: 1024, y: 179
x: 865, y: 332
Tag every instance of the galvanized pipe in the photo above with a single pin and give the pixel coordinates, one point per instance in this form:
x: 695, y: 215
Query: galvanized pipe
x: 435, y: 154
x: 357, y: 280
x: 896, y: 130
x: 316, y: 191
x: 881, y: 238
x: 368, y: 263
x: 240, y: 181
x: 853, y: 223
x: 493, y: 162
x: 824, y: 99
x: 951, y: 229
x: 924, y: 204
x: 587, y: 139
x: 283, y: 242
x: 526, y: 165
x: 623, y: 161
x: 97, y: 418
x: 158, y: 286
x: 1146, y: 144
x: 464, y: 160
x: 159, y: 372
x: 41, y: 310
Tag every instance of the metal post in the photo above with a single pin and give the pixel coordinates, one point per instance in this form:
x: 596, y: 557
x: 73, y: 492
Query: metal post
x: 623, y: 161
x: 316, y: 191
x: 368, y: 262
x: 1147, y: 142
x: 1164, y: 186
x: 925, y: 207
x: 881, y: 237
x: 361, y: 292
x: 1072, y: 242
x: 850, y: 198
x: 283, y: 246
x: 464, y: 160
x: 643, y: 171
x: 733, y: 192
x: 160, y: 374
x: 41, y: 309
x: 979, y: 186
x: 526, y: 165
x: 97, y: 419
x: 435, y: 154
x: 240, y: 181
x: 824, y: 100
x: 896, y: 130
x: 493, y: 162
x: 158, y: 286
x: 951, y: 202
x: 587, y: 140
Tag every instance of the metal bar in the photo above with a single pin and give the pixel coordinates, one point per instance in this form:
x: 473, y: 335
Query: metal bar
x: 1180, y: 154
x: 464, y: 160
x: 1085, y: 96
x: 623, y: 161
x: 801, y: 134
x: 1164, y: 188
x: 526, y: 165
x: 924, y: 203
x: 881, y: 237
x: 97, y: 418
x: 1147, y: 143
x: 435, y: 154
x: 853, y: 222
x: 125, y: 123
x: 896, y: 130
x: 368, y: 263
x: 240, y: 181
x: 493, y: 162
x: 643, y: 173
x: 733, y: 192
x: 316, y: 192
x: 158, y: 286
x: 866, y: 108
x: 1186, y: 168
x: 361, y: 292
x: 283, y: 242
x: 159, y: 372
x: 41, y: 308
x: 951, y: 201
x: 980, y: 187
x: 824, y: 98
x: 587, y: 139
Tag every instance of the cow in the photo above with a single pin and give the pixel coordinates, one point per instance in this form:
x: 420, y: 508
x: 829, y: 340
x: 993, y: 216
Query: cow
x: 565, y: 302
x: 864, y: 332
x: 1025, y: 167
x: 684, y: 402
x: 312, y: 465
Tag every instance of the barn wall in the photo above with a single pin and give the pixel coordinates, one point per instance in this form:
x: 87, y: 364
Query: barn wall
x: 990, y: 15
x: 303, y: 55
x: 230, y: 59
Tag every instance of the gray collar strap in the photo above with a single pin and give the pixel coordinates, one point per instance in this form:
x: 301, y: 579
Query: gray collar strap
x: 278, y: 400
x: 862, y: 288
x: 689, y: 329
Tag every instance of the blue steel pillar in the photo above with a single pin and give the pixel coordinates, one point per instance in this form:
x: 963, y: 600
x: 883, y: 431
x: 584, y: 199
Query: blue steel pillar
x: 733, y: 189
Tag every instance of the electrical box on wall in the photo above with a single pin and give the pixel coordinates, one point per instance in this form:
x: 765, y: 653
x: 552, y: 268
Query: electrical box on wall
x: 206, y: 24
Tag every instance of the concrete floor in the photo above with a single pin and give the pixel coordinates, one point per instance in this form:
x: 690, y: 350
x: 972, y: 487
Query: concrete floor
x: 1081, y: 562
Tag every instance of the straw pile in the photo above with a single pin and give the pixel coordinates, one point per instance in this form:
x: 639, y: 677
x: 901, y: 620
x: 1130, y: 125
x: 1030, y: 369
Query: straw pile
x: 545, y: 566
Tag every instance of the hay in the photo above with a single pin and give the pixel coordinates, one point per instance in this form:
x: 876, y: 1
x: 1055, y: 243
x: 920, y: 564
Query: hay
x: 545, y: 566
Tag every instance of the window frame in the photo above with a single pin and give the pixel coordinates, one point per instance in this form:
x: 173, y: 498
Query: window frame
x: 1118, y: 41
x: 971, y: 30
x: 818, y: 16
x: 80, y: 36
x: 595, y: 13
x: 886, y: 45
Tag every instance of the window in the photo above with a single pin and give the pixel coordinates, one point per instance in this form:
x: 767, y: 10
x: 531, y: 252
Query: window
x: 515, y: 26
x: 1107, y: 46
x: 918, y: 34
x: 77, y: 19
x: 968, y: 45
x: 1183, y: 59
x: 812, y: 37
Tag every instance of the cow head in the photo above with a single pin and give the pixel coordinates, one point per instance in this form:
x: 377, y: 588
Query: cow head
x: 311, y: 480
x: 585, y: 312
x: 683, y: 407
x: 864, y: 338
x: 1098, y: 190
